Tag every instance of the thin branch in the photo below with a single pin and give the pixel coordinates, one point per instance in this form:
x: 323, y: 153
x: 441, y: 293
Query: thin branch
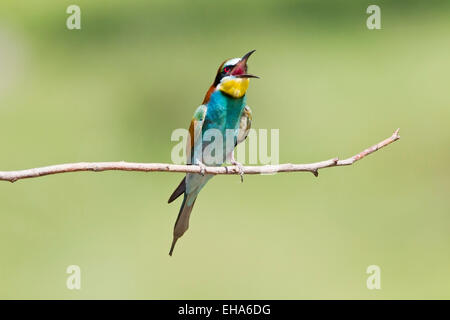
x: 13, y: 176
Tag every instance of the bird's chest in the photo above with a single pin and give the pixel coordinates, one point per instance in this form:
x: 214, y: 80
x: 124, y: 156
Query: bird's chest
x: 224, y: 113
x: 221, y: 127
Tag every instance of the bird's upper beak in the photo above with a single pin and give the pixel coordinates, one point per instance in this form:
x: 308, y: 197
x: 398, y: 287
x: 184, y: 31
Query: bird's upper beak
x: 240, y: 69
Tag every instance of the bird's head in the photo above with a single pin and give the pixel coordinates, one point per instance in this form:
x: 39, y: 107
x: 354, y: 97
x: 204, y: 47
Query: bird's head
x: 232, y: 77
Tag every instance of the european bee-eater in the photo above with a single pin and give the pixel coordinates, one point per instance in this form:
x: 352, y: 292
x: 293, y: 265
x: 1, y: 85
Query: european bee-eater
x: 224, y: 110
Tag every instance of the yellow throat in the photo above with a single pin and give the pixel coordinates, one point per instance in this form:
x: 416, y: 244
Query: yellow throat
x: 235, y: 87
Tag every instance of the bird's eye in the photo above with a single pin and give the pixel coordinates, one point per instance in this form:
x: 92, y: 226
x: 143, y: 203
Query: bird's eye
x: 226, y: 69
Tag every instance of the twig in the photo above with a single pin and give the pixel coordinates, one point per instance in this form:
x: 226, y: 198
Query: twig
x: 13, y: 176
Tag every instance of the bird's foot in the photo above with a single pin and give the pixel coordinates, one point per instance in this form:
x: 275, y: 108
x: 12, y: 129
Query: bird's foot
x: 240, y: 168
x: 202, y: 167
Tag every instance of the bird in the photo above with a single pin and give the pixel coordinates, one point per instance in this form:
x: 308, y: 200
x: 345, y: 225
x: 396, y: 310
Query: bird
x: 224, y: 111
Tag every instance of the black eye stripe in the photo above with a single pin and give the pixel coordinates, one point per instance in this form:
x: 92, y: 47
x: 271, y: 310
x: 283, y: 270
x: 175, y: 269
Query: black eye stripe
x: 222, y: 73
x: 227, y: 68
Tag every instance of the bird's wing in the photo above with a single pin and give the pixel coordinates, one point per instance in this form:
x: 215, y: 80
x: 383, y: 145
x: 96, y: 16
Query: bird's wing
x: 195, y: 130
x: 244, y: 124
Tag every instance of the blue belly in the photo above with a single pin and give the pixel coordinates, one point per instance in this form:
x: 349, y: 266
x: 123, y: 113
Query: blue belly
x: 224, y: 113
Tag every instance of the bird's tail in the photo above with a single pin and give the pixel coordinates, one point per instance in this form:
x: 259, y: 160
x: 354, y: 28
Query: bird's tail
x: 182, y: 223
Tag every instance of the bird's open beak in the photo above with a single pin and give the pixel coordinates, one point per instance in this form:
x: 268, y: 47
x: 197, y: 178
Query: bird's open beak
x: 240, y: 69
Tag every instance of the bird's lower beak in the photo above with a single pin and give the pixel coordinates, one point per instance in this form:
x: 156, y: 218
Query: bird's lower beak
x: 240, y: 69
x: 246, y: 75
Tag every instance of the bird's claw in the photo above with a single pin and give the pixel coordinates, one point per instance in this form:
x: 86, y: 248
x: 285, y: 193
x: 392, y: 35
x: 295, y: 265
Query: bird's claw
x: 240, y: 168
x: 202, y: 167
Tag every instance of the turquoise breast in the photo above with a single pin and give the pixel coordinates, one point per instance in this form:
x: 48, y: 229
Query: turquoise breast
x: 224, y: 112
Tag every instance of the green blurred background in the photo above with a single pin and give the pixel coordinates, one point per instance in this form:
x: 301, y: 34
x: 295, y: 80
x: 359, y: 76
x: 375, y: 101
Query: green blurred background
x: 117, y: 88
